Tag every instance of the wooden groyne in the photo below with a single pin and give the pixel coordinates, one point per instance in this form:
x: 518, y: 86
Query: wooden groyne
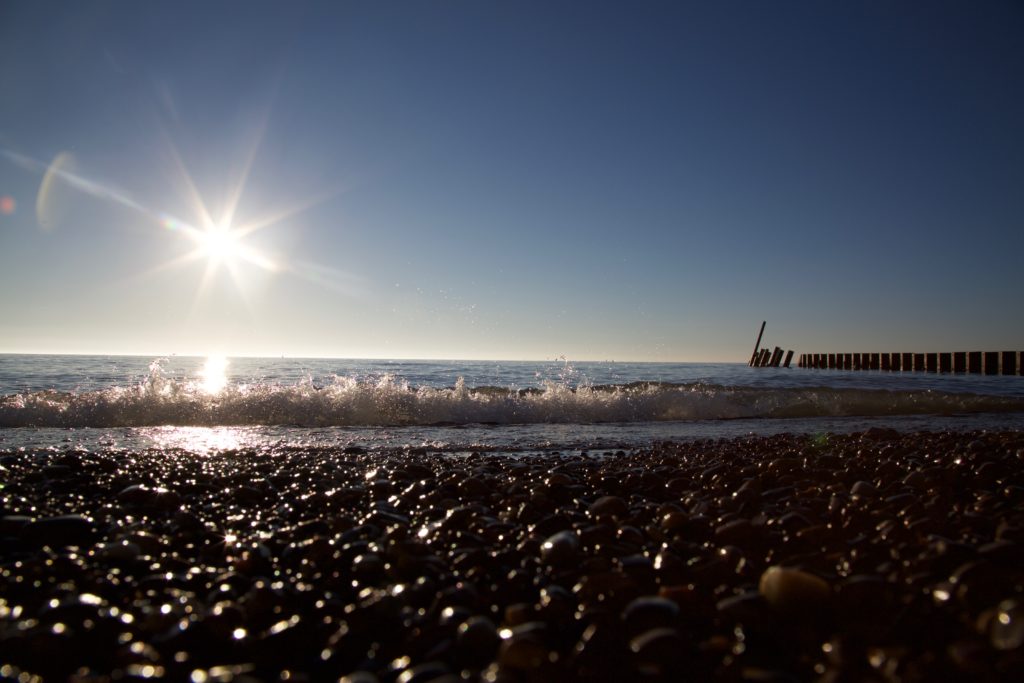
x: 971, y: 362
x: 763, y: 358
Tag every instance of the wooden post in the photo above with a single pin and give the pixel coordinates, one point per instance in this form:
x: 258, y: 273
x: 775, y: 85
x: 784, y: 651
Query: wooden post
x: 907, y: 362
x: 918, y: 362
x: 932, y: 362
x: 1009, y: 363
x: 894, y: 362
x: 959, y: 361
x: 847, y: 361
x: 856, y: 361
x: 757, y: 344
x: 885, y: 362
x: 875, y: 361
x: 945, y: 362
x: 991, y: 362
x: 766, y: 356
x: 789, y: 357
x: 974, y: 362
x: 831, y: 361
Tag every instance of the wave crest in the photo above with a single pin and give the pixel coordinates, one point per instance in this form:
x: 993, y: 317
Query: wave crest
x: 391, y: 401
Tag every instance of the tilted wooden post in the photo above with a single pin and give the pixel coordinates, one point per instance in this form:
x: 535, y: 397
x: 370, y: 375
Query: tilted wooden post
x: 757, y: 344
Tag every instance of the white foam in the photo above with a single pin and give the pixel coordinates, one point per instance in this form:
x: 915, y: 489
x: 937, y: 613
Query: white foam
x: 392, y: 401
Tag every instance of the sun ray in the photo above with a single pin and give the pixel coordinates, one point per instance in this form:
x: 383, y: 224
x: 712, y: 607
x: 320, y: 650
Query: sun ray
x: 288, y: 212
x: 238, y: 190
x: 198, y: 205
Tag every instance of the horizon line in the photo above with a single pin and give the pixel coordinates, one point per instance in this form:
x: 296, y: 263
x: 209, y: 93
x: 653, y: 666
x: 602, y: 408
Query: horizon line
x: 356, y: 358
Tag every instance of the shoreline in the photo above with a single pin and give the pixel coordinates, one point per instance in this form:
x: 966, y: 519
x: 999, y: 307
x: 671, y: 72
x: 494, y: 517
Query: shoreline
x: 871, y: 556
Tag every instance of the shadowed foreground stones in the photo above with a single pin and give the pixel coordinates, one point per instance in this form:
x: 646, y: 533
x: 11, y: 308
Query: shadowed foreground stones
x: 875, y: 557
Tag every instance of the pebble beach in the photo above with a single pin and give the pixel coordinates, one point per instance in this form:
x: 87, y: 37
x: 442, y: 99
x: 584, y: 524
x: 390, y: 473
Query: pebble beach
x: 875, y: 556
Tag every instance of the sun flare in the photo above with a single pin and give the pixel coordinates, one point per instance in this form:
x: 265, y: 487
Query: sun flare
x: 214, y: 374
x: 220, y: 244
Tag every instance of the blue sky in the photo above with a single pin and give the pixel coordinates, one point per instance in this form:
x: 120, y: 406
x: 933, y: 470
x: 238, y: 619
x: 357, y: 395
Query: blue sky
x: 628, y: 181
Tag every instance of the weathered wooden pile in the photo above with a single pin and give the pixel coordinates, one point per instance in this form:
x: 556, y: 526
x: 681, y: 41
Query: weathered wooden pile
x: 973, y: 362
x: 763, y: 358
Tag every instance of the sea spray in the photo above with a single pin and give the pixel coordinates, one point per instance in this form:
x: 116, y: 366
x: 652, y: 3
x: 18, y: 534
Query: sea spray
x: 392, y: 401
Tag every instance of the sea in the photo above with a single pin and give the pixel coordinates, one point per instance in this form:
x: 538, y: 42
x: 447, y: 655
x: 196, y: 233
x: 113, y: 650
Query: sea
x: 205, y: 405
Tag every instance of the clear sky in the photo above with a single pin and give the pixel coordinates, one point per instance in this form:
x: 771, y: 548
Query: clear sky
x: 456, y: 179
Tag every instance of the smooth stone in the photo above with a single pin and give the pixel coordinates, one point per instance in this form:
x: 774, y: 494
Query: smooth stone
x: 794, y: 593
x: 144, y: 496
x: 750, y: 609
x: 12, y: 525
x: 359, y: 677
x: 477, y: 641
x: 60, y: 530
x: 1006, y: 631
x: 609, y: 505
x: 119, y: 552
x: 864, y: 489
x: 561, y: 549
x: 658, y: 650
x: 524, y: 648
x: 647, y: 613
x: 736, y: 532
x: 424, y: 673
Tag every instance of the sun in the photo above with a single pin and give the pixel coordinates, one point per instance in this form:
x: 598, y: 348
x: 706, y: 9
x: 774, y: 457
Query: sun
x: 220, y: 244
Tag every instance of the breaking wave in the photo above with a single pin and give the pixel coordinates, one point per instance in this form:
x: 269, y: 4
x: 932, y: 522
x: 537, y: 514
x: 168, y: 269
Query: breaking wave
x: 390, y: 401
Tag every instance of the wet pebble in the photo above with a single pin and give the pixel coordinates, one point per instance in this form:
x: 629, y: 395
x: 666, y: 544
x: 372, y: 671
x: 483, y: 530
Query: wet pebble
x: 561, y: 549
x: 61, y: 530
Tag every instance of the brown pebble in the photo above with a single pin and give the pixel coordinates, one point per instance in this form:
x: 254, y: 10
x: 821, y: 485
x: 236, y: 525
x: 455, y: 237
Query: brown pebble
x: 609, y: 505
x: 794, y: 593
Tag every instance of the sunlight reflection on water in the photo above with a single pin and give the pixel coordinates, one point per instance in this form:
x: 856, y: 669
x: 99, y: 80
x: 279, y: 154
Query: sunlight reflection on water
x: 214, y: 374
x: 202, y: 440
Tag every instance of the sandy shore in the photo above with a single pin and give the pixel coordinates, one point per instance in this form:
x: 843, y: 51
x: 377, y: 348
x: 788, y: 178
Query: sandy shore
x: 876, y: 556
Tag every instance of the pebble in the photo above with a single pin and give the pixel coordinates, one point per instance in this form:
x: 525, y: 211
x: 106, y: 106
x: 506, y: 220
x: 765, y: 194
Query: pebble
x: 62, y: 530
x: 609, y: 505
x: 708, y: 560
x: 649, y: 612
x: 1006, y: 630
x: 561, y: 549
x: 793, y: 593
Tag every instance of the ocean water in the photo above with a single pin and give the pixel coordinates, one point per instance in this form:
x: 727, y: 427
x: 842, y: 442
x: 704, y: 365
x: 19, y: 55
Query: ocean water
x: 205, y: 404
